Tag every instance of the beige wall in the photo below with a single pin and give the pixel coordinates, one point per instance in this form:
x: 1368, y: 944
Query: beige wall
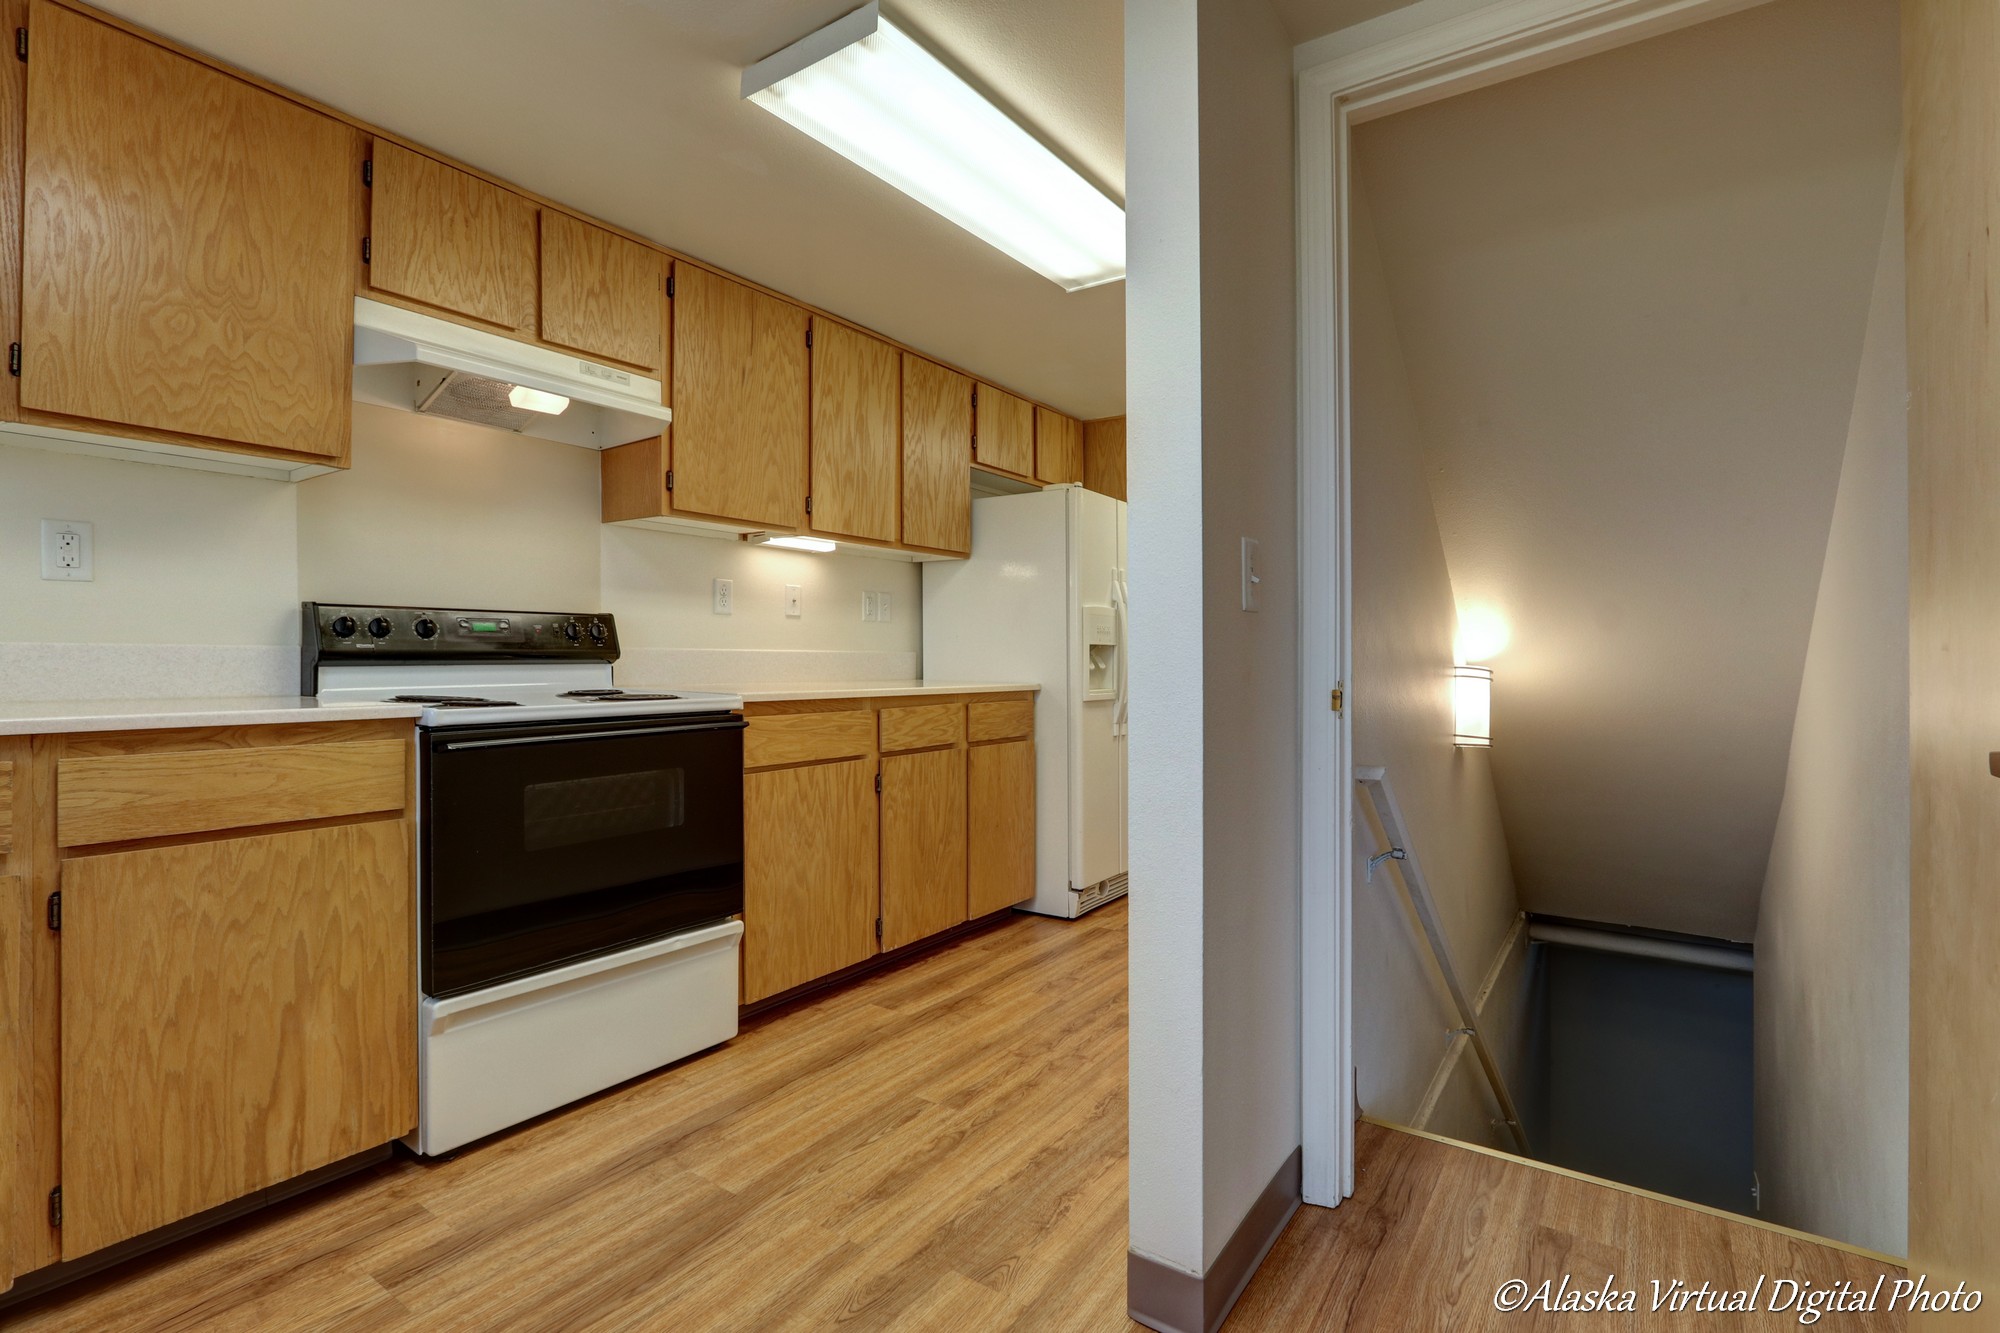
x: 1833, y: 933
x: 1405, y: 621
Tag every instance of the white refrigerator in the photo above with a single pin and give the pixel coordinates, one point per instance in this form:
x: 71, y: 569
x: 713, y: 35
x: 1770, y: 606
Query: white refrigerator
x: 1042, y: 599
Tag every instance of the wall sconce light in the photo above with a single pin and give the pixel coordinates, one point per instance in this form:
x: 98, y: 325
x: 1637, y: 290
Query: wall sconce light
x: 1472, y: 703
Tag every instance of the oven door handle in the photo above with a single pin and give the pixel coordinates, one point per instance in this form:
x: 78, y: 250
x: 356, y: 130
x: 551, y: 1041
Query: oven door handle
x: 733, y: 724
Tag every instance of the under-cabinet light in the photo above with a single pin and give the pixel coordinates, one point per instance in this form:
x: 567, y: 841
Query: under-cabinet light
x: 1472, y: 702
x: 790, y: 543
x: 867, y: 90
x: 537, y: 400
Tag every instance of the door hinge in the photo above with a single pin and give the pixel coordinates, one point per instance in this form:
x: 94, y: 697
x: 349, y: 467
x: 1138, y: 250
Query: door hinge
x: 55, y: 910
x: 55, y: 1206
x: 670, y: 286
x: 1339, y: 698
x: 670, y: 479
x: 368, y: 172
x: 367, y: 249
x: 20, y: 43
x: 878, y: 927
x: 14, y: 359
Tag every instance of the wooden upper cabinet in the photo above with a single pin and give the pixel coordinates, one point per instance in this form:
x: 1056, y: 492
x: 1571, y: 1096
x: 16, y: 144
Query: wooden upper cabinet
x: 937, y: 453
x: 601, y: 294
x: 187, y: 262
x: 1058, y: 447
x: 856, y: 385
x: 1104, y: 456
x: 446, y: 238
x: 741, y: 390
x: 1004, y: 431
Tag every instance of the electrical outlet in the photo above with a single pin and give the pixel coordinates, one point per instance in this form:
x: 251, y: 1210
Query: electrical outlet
x: 882, y: 606
x: 725, y: 597
x: 792, y: 602
x: 868, y: 607
x: 67, y: 550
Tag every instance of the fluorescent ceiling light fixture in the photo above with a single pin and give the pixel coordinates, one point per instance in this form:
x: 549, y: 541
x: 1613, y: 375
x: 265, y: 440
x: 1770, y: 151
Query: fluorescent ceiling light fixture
x: 819, y: 544
x: 1472, y: 703
x: 537, y: 400
x: 865, y: 89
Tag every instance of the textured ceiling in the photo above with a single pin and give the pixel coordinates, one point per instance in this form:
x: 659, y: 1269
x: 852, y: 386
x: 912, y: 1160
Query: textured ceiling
x: 629, y: 109
x: 1631, y: 293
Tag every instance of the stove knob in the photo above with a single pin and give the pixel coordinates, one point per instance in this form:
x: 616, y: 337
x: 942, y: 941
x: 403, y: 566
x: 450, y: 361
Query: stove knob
x: 597, y: 632
x: 572, y: 631
x: 425, y: 627
x: 343, y: 627
x: 380, y: 627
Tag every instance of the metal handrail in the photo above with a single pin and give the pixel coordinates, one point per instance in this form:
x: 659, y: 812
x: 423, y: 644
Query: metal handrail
x: 1375, y: 781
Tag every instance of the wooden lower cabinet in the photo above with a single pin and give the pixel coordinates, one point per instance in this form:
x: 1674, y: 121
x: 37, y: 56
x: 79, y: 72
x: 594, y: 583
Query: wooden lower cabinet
x: 809, y: 867
x: 871, y: 825
x: 923, y: 845
x: 235, y: 1013
x: 1000, y: 801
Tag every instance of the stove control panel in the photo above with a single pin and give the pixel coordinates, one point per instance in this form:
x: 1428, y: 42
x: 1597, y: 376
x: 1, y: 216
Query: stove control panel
x: 347, y: 633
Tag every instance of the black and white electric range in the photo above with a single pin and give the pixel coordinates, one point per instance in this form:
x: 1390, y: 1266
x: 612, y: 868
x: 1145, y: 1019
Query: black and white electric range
x: 579, y: 860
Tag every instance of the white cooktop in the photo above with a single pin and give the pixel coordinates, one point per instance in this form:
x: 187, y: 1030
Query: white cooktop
x: 534, y: 692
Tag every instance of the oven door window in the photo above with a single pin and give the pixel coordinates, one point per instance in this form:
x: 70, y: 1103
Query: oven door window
x: 547, y: 845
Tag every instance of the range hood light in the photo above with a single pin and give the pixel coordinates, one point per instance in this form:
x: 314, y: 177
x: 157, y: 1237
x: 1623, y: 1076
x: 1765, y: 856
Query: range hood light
x: 790, y: 543
x: 535, y: 400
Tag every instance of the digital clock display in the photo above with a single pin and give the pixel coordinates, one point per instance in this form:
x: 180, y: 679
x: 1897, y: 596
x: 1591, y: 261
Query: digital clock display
x: 483, y: 626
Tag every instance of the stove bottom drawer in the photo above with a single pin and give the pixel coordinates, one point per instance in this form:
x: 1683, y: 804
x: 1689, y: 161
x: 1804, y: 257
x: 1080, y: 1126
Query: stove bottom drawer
x: 509, y: 1053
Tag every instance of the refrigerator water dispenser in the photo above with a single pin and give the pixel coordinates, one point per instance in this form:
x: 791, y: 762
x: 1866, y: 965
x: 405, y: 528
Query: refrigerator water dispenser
x: 1100, y: 639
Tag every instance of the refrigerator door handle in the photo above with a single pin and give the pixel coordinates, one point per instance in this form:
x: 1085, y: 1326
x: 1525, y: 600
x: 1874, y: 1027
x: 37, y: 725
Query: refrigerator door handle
x: 1122, y: 707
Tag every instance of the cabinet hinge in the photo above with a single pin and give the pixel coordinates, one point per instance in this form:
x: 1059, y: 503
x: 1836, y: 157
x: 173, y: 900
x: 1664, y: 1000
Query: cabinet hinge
x: 809, y: 506
x: 878, y: 784
x: 878, y: 927
x: 809, y: 335
x: 55, y: 1206
x: 14, y: 359
x: 20, y: 43
x: 55, y: 910
x: 975, y: 395
x: 368, y: 171
x: 367, y: 249
x: 1339, y: 698
x: 670, y: 286
x: 670, y: 479
x: 975, y: 444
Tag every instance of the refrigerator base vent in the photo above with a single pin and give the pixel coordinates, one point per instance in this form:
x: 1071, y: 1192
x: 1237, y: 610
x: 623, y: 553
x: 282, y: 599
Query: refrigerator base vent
x: 1102, y: 892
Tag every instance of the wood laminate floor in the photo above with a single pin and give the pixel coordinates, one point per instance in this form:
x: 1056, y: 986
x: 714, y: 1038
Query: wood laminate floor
x: 939, y: 1147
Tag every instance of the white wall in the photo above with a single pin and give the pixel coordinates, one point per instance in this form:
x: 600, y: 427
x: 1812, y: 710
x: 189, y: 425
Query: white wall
x: 1214, y: 934
x: 1405, y: 621
x: 1833, y: 932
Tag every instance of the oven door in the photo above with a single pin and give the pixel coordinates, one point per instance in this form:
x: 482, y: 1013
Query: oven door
x: 552, y: 842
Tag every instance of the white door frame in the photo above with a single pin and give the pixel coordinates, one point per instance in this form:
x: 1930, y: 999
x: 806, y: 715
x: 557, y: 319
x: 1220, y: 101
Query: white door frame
x: 1431, y: 50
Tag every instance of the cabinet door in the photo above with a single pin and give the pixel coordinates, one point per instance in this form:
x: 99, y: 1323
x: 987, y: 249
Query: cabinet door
x: 1104, y: 456
x: 923, y: 845
x: 1000, y: 813
x: 809, y: 894
x: 601, y: 294
x: 1004, y: 431
x: 1058, y: 447
x: 856, y: 382
x: 449, y: 239
x: 234, y: 1013
x: 937, y: 455
x: 187, y: 248
x: 740, y: 401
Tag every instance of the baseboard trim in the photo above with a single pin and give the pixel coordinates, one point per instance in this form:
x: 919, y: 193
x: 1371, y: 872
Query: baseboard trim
x: 1164, y: 1298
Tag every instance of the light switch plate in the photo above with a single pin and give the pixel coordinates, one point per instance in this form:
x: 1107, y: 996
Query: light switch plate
x: 725, y: 597
x: 792, y: 602
x: 67, y: 553
x: 1252, y: 579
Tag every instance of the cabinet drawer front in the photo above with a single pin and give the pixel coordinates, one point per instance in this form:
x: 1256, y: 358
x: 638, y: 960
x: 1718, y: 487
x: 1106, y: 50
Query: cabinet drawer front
x: 923, y: 727
x: 805, y: 738
x: 116, y: 798
x: 1000, y: 719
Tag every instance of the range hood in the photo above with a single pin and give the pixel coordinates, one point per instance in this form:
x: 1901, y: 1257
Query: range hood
x: 419, y: 363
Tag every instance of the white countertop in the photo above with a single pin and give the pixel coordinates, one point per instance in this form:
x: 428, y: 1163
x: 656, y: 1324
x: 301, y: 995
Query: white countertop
x: 851, y: 689
x: 32, y: 719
